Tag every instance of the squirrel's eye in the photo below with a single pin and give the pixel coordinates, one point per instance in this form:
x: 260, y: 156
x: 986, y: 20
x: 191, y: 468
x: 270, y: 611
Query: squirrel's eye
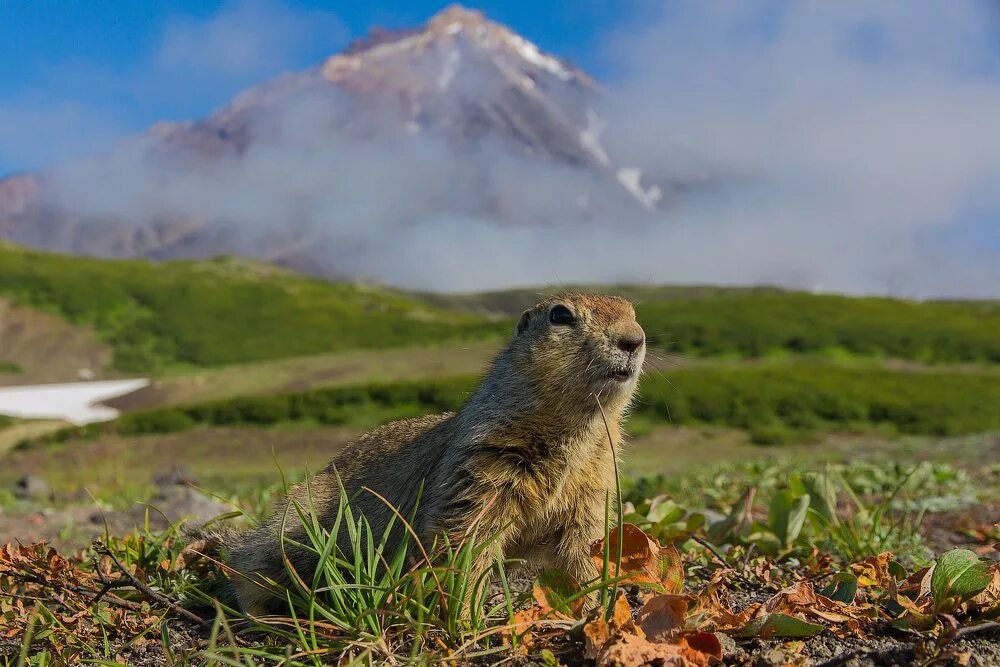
x: 562, y: 315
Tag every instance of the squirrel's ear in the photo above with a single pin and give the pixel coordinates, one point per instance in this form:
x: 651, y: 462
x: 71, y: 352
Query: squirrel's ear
x: 522, y: 323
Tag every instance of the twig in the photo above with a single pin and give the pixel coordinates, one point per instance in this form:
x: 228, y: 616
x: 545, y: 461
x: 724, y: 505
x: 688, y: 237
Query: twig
x: 149, y: 592
x: 719, y: 557
x: 79, y: 590
x: 976, y: 629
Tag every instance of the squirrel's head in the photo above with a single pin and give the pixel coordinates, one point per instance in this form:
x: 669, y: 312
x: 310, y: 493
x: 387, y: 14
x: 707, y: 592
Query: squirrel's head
x: 581, y: 346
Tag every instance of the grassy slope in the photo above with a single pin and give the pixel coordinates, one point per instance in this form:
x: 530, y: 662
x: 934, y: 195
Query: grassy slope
x: 710, y: 321
x: 221, y: 312
x: 160, y: 316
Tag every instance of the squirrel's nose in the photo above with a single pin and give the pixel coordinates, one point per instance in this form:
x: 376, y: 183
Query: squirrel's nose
x: 631, y: 341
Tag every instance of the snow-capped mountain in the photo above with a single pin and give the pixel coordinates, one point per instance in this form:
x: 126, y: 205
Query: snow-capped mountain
x: 461, y: 118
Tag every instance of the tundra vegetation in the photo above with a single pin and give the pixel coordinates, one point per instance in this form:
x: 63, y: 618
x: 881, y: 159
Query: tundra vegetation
x: 841, y: 506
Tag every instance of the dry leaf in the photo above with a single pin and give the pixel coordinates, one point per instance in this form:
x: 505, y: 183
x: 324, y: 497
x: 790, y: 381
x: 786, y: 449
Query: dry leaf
x: 595, y: 634
x: 697, y: 649
x: 662, y: 615
x: 552, y: 589
x: 643, y: 558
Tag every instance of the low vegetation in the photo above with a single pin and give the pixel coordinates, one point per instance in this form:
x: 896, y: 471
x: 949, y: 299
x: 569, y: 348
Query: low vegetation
x: 9, y: 367
x: 680, y: 584
x: 775, y: 404
x: 776, y: 563
x: 160, y: 315
x: 757, y: 323
x: 709, y: 321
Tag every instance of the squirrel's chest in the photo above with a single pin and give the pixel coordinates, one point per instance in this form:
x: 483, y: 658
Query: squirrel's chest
x: 555, y: 487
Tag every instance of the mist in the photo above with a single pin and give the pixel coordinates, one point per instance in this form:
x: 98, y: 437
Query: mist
x: 849, y: 147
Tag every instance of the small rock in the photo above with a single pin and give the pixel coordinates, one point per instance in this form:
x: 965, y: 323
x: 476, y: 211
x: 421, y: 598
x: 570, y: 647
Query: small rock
x: 176, y: 476
x: 32, y: 487
x: 183, y: 503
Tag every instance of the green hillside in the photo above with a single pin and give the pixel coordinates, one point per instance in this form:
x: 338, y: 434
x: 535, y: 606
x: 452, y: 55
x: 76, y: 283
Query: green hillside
x: 160, y: 316
x: 713, y: 321
x: 157, y: 315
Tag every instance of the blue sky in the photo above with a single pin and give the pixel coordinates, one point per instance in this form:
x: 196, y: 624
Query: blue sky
x: 100, y: 68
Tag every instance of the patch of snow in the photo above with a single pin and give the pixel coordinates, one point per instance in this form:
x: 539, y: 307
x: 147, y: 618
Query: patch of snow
x: 530, y: 52
x: 450, y: 67
x: 590, y: 137
x: 75, y: 402
x: 631, y: 179
x: 453, y: 27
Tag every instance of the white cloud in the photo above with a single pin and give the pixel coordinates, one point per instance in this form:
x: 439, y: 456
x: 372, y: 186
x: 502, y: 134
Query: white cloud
x: 850, y: 138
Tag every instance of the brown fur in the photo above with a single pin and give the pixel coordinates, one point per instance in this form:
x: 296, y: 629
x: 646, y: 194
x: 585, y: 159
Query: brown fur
x: 527, y: 458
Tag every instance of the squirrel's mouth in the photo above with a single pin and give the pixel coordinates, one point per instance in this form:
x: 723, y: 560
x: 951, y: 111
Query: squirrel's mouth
x: 623, y: 374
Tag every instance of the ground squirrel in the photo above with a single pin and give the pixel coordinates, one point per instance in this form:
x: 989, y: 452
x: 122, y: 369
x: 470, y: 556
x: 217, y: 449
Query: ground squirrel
x: 527, y: 457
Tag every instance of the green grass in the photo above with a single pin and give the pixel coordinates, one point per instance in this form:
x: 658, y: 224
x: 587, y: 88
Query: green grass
x: 752, y: 322
x: 221, y: 312
x: 9, y: 367
x: 759, y: 323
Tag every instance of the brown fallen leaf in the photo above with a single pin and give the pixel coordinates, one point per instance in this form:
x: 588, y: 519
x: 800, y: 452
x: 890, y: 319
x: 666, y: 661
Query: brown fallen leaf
x: 520, y: 627
x: 552, y: 589
x: 595, y: 634
x: 663, y: 615
x: 874, y: 571
x: 621, y: 615
x: 697, y: 649
x: 643, y: 559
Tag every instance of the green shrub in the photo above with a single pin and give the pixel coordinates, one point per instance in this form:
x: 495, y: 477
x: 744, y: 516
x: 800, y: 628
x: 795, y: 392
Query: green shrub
x: 809, y: 396
x: 771, y: 434
x: 760, y: 322
x: 9, y: 367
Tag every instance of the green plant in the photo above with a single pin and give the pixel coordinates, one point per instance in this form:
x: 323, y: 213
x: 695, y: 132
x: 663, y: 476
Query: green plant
x: 958, y: 575
x: 9, y: 367
x: 864, y: 529
x: 380, y: 595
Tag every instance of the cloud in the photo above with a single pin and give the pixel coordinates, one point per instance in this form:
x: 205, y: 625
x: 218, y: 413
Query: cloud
x: 849, y: 140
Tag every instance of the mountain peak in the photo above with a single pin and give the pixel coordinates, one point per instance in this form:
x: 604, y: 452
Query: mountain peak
x: 452, y: 29
x: 456, y: 13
